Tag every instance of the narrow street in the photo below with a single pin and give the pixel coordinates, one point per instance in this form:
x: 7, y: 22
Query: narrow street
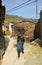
x: 10, y: 57
x: 32, y: 54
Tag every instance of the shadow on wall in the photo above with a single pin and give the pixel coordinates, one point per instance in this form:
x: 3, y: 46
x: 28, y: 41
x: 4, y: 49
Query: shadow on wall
x: 37, y: 33
x: 6, y: 42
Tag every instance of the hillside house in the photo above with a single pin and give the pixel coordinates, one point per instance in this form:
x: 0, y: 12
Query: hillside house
x: 11, y: 28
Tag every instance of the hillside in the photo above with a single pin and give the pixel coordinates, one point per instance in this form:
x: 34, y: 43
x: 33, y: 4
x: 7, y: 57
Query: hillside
x: 16, y: 19
x: 11, y: 18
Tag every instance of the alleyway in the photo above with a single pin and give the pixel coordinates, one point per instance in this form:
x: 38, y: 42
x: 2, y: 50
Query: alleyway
x: 32, y: 54
x: 10, y: 57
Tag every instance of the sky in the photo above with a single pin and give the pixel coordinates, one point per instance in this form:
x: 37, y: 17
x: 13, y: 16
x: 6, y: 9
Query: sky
x: 28, y: 11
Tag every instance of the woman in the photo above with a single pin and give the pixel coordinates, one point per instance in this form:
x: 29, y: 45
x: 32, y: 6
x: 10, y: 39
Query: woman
x: 19, y: 45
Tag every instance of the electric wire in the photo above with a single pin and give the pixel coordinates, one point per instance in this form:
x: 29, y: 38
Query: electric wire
x: 21, y: 5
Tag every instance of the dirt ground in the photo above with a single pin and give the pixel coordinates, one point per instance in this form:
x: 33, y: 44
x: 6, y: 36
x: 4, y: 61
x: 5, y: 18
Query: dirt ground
x: 32, y: 54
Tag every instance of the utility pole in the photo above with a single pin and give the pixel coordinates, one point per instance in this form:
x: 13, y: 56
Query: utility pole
x: 36, y: 8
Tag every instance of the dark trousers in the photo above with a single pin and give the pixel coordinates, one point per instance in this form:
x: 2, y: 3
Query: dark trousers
x: 22, y: 50
x: 18, y: 53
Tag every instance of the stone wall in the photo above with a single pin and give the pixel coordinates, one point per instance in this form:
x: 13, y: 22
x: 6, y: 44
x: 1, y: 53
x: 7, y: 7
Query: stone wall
x: 38, y: 29
x: 41, y: 25
x: 2, y: 17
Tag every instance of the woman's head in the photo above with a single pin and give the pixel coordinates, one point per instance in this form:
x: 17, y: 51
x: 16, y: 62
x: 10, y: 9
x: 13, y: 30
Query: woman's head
x: 18, y: 38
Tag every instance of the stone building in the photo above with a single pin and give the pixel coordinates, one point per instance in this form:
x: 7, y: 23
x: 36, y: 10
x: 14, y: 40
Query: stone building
x: 38, y: 29
x: 41, y: 25
x: 2, y: 18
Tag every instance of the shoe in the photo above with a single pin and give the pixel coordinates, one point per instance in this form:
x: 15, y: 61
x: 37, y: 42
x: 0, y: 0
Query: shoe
x: 18, y: 56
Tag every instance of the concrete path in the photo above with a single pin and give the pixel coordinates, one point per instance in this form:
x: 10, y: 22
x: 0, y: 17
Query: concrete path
x: 10, y: 57
x: 32, y: 54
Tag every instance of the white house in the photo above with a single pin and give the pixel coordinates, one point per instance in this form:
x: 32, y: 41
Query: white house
x: 11, y: 28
